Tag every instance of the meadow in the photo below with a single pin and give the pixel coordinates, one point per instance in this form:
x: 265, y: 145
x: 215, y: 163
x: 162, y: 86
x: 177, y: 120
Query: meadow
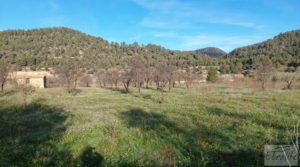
x: 207, y: 125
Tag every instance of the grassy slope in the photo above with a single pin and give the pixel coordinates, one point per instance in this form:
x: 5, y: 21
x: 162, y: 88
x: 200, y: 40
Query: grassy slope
x: 202, y: 126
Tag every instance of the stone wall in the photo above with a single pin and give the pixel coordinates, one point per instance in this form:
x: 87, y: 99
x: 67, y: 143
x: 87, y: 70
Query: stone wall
x: 32, y: 78
x: 34, y: 82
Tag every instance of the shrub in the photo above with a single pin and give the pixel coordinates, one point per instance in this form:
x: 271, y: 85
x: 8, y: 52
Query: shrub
x: 212, y: 75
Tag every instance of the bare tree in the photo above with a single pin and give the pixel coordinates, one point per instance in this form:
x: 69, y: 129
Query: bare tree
x: 111, y: 76
x: 161, y: 76
x: 4, y: 71
x: 25, y: 90
x: 148, y: 76
x: 188, y: 77
x: 69, y: 72
x: 115, y: 77
x: 170, y: 74
x: 178, y: 77
x: 138, y: 70
x: 289, y: 79
x: 87, y: 80
x: 263, y: 71
x: 126, y: 78
x: 100, y: 75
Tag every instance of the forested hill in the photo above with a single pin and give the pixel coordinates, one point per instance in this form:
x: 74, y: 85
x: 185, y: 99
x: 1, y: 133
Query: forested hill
x: 211, y: 51
x: 43, y: 48
x: 283, y: 49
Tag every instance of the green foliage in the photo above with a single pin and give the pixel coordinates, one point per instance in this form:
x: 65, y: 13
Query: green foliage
x: 284, y: 50
x: 45, y: 48
x: 212, y: 74
x: 212, y: 52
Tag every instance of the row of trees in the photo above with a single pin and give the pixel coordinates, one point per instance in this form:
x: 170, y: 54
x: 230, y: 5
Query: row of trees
x: 139, y: 74
x: 136, y: 72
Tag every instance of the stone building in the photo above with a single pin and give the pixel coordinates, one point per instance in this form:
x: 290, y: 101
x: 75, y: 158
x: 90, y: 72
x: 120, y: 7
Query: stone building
x: 37, y: 79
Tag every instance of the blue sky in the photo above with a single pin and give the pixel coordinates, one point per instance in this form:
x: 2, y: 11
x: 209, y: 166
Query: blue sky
x: 174, y: 24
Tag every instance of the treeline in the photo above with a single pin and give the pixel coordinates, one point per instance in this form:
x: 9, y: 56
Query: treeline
x: 45, y: 48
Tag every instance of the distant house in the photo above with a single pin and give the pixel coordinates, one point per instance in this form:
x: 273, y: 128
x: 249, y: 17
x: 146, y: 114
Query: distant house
x: 37, y: 79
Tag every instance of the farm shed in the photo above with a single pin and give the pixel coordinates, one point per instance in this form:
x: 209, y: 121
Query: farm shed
x: 37, y: 79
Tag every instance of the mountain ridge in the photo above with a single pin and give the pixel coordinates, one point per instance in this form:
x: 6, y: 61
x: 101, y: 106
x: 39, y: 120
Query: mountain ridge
x: 211, y: 51
x: 44, y: 47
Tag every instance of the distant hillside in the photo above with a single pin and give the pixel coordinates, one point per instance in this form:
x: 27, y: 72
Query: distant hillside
x: 43, y: 48
x: 211, y: 51
x: 283, y: 49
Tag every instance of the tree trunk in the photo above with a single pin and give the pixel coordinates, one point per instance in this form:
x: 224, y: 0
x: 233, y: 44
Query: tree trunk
x: 187, y: 84
x: 126, y: 85
x: 289, y: 83
x: 139, y: 87
x: 116, y: 84
x: 157, y: 85
x: 2, y: 87
x: 147, y: 84
x: 263, y: 86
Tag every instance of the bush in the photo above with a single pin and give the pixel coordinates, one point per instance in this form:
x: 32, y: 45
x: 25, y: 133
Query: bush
x: 212, y: 75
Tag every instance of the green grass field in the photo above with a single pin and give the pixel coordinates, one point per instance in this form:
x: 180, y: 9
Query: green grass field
x: 212, y: 125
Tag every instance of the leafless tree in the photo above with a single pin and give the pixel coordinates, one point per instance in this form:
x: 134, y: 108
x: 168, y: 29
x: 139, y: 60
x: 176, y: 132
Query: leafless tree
x: 170, y: 74
x: 115, y: 76
x: 178, y: 77
x: 87, y: 80
x: 148, y: 76
x: 25, y: 90
x: 111, y: 76
x: 161, y: 76
x: 126, y: 78
x: 100, y: 75
x: 4, y: 71
x: 188, y: 77
x: 69, y: 72
x: 289, y: 79
x: 138, y: 70
x: 263, y: 71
